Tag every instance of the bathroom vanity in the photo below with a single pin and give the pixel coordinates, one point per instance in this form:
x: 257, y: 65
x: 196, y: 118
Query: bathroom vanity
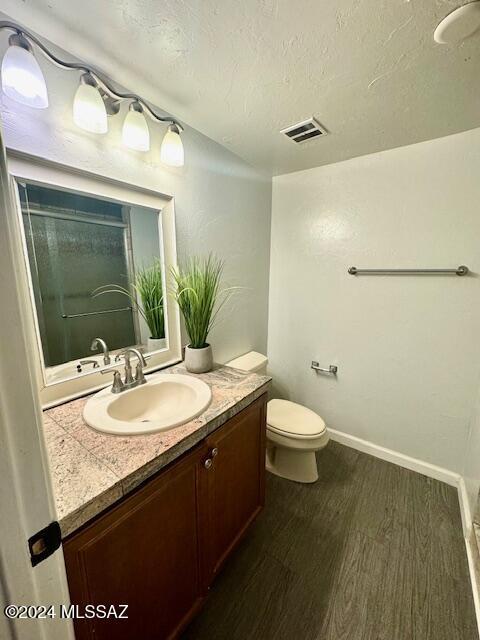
x: 165, y: 526
x: 148, y: 511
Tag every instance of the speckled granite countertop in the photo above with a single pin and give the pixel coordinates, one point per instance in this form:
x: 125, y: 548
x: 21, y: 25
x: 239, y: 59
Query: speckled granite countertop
x: 92, y: 470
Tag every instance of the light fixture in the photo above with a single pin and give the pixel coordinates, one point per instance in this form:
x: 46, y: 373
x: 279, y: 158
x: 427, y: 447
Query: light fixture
x: 171, y: 151
x: 89, y: 110
x: 22, y: 78
x: 135, y: 133
x: 95, y: 99
x: 459, y: 25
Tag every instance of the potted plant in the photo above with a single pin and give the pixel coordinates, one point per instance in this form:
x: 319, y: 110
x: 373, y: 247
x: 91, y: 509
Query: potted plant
x: 197, y: 293
x: 148, y: 288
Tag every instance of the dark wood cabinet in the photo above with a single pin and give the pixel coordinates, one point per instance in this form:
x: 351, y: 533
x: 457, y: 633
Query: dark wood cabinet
x: 235, y: 481
x: 159, y: 548
x: 144, y: 553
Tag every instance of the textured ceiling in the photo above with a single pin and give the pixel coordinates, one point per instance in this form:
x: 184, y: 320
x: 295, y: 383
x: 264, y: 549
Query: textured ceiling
x: 240, y: 70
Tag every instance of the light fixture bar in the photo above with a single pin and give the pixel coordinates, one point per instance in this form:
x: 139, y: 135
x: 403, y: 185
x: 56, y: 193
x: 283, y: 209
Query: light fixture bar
x: 102, y: 83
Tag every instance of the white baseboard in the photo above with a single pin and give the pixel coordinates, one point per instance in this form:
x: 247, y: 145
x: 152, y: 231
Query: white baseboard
x: 467, y: 519
x: 432, y: 471
x: 471, y: 547
x: 402, y: 460
x: 473, y: 563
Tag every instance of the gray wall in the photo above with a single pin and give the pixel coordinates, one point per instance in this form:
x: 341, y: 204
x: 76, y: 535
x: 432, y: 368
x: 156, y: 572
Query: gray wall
x: 222, y: 204
x: 407, y: 348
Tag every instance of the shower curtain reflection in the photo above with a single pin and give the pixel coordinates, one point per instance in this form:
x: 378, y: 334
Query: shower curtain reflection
x: 75, y: 244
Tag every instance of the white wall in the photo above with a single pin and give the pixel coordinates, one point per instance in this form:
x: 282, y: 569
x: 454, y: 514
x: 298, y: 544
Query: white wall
x: 407, y: 347
x: 222, y: 204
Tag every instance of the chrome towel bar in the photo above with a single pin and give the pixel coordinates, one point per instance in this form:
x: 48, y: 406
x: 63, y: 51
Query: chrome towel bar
x: 462, y: 270
x: 332, y: 369
x: 94, y: 313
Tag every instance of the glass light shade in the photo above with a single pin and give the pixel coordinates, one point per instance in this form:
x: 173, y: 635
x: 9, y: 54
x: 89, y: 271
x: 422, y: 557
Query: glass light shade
x: 135, y: 133
x: 22, y: 78
x: 171, y: 151
x: 89, y: 111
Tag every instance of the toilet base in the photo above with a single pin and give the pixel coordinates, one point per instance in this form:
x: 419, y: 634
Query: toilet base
x: 292, y: 464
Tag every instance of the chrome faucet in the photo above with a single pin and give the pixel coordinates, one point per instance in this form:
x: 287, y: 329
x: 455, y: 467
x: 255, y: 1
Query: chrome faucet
x: 139, y: 377
x: 130, y: 382
x: 94, y: 347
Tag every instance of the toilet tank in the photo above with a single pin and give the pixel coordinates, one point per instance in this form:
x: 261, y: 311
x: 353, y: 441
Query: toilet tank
x: 251, y: 361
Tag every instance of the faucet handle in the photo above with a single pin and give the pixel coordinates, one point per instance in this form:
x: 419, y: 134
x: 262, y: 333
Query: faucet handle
x: 92, y: 362
x: 117, y: 385
x: 139, y: 375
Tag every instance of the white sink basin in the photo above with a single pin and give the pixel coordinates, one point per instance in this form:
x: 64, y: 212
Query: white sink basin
x: 164, y: 402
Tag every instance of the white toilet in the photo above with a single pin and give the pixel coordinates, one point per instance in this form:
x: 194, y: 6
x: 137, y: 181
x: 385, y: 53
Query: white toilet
x: 294, y: 432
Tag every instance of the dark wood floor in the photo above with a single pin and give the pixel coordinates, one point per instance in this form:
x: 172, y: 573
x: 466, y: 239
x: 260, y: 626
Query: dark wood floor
x: 369, y: 552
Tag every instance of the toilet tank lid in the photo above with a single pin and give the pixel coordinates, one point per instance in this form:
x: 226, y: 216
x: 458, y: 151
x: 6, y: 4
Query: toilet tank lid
x: 251, y: 361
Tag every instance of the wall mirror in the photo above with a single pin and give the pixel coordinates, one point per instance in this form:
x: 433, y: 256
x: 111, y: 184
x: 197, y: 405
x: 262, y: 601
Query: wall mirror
x: 97, y: 256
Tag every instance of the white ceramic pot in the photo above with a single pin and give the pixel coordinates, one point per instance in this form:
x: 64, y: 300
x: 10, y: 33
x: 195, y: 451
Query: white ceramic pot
x: 155, y: 344
x: 198, y: 360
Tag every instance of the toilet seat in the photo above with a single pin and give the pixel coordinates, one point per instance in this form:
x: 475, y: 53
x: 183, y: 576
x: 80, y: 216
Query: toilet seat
x: 293, y: 420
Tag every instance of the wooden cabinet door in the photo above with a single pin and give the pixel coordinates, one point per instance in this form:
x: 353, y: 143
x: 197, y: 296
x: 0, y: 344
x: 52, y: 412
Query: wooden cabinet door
x: 143, y: 553
x: 235, y: 482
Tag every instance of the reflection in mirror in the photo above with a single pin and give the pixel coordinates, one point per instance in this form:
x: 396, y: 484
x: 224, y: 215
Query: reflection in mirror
x: 96, y: 270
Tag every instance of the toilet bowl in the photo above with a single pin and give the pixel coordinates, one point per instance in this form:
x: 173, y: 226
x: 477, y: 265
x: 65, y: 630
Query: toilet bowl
x: 294, y: 433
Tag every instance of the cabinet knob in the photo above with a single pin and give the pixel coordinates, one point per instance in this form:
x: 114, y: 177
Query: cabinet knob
x: 214, y: 452
x: 207, y: 464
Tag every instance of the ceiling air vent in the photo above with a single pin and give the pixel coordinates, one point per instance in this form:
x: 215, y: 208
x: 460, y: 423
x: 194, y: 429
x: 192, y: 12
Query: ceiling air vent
x: 303, y: 131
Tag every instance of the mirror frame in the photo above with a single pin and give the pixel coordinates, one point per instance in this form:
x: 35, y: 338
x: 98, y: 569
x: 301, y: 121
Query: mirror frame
x: 33, y: 169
